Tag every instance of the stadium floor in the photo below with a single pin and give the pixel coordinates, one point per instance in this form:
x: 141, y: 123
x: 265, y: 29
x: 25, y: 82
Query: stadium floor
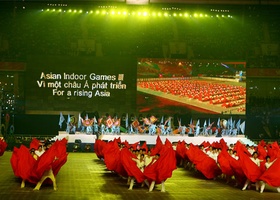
x: 84, y: 177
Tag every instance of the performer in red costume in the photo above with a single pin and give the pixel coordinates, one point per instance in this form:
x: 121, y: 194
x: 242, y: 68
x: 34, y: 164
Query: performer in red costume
x: 36, y: 171
x: 3, y: 146
x: 162, y: 166
x: 272, y: 174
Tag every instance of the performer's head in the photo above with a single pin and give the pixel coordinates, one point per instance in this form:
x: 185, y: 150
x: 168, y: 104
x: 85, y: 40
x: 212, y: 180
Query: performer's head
x: 267, y: 158
x: 255, y: 154
x: 157, y: 156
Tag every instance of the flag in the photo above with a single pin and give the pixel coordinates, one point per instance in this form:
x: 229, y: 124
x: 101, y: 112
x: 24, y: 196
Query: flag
x: 197, y: 123
x: 61, y: 120
x: 242, y: 127
x: 126, y: 120
x: 135, y: 123
x: 169, y: 122
x: 109, y: 122
x: 68, y: 119
x: 146, y: 121
x: 161, y: 121
x: 205, y: 124
x: 238, y: 125
x: 79, y: 121
x: 153, y: 119
x: 94, y: 120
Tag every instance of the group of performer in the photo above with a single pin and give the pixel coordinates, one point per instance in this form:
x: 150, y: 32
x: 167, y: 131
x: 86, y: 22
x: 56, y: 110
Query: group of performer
x: 138, y: 164
x: 39, y: 161
x: 246, y: 165
x: 239, y: 163
x: 154, y: 126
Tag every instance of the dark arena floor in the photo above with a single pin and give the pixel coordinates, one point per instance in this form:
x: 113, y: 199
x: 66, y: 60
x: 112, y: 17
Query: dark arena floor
x: 85, y: 177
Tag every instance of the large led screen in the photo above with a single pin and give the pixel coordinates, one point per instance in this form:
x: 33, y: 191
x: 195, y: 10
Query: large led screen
x: 191, y: 87
x: 106, y: 84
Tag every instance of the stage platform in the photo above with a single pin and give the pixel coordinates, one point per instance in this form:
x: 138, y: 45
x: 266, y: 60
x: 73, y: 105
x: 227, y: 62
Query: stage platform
x: 197, y: 140
x: 150, y: 139
x: 85, y: 138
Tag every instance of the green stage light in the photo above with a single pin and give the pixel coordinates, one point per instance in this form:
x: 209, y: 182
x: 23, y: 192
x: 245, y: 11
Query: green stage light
x: 97, y: 12
x: 217, y: 15
x: 145, y: 14
x: 53, y: 10
x: 70, y: 10
x: 119, y: 12
x: 103, y: 12
x: 113, y: 12
x: 205, y: 15
x: 80, y: 11
x: 165, y: 14
x: 159, y: 14
x: 124, y: 13
x: 195, y: 15
x: 174, y: 15
x: 75, y: 11
x: 200, y: 15
x: 223, y: 16
x: 180, y: 14
x: 186, y: 15
x: 154, y: 14
x: 139, y: 13
x: 48, y: 9
x: 91, y: 12
x: 59, y: 10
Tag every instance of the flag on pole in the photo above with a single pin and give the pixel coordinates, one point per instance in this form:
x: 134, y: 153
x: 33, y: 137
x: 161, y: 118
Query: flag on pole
x: 242, y: 127
x: 238, y: 125
x: 126, y: 120
x: 94, y: 120
x: 161, y: 121
x: 61, y: 120
x: 79, y: 121
x: 68, y: 119
x: 197, y: 123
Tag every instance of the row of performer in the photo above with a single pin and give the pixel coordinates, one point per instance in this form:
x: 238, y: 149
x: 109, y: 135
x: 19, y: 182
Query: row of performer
x: 245, y: 165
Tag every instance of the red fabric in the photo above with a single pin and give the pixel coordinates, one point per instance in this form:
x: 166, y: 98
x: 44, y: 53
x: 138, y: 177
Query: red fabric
x: 261, y: 152
x: 98, y: 148
x: 55, y: 157
x: 35, y: 143
x: 23, y: 163
x: 110, y: 152
x: 157, y: 147
x: 203, y: 163
x: 14, y: 161
x: 135, y: 145
x: 130, y: 165
x: 272, y: 175
x: 31, y: 170
x: 273, y: 151
x: 144, y: 146
x: 224, y: 163
x: 3, y: 146
x: 181, y: 149
x: 250, y: 169
x: 162, y: 169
